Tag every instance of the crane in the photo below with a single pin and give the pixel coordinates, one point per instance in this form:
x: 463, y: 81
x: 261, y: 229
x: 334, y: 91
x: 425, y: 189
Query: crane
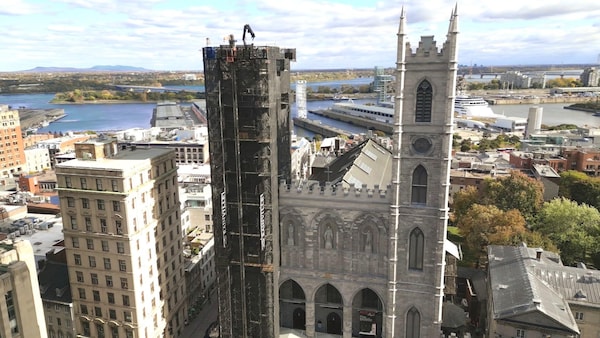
x: 249, y: 30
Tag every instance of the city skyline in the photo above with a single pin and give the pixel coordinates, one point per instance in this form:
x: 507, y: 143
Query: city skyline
x: 333, y: 34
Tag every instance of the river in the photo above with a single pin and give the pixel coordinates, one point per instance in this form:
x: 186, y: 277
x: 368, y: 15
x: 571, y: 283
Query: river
x: 119, y: 116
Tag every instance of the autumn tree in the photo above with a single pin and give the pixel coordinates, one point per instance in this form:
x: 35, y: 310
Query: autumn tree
x: 463, y: 200
x: 573, y: 227
x: 483, y: 225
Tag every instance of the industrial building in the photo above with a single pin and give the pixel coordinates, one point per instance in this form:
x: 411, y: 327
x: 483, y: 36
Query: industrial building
x: 123, y: 242
x: 248, y: 111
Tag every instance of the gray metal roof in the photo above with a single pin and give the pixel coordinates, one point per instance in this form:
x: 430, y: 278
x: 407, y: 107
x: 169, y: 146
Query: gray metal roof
x: 517, y: 290
x: 575, y: 284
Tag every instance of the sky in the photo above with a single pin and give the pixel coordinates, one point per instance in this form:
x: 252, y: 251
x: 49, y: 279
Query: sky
x: 327, y: 34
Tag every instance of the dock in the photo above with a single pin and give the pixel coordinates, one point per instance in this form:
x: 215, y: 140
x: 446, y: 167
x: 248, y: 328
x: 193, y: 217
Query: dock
x: 387, y: 128
x: 318, y: 128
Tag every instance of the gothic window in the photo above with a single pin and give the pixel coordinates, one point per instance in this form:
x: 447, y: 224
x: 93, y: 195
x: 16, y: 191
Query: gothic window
x: 416, y: 248
x: 419, y: 186
x: 413, y: 323
x: 423, y: 104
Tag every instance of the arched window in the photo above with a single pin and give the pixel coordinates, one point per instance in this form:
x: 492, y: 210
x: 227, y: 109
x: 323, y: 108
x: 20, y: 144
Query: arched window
x: 419, y: 186
x: 413, y: 323
x: 415, y: 251
x: 423, y: 104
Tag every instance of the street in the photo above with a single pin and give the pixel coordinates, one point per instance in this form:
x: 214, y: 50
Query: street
x: 197, y: 326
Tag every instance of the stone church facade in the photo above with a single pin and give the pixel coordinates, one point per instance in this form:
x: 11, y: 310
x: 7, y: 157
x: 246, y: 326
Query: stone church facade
x: 369, y: 261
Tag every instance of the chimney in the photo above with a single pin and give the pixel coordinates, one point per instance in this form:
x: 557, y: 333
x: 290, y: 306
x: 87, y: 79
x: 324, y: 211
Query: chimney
x: 538, y: 253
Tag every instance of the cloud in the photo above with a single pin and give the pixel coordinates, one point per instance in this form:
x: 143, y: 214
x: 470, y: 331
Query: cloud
x: 16, y: 7
x: 326, y: 34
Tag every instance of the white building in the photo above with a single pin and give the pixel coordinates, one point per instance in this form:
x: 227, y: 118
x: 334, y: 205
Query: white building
x: 37, y: 159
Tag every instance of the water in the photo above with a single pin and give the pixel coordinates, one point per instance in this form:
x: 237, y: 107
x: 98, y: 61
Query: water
x: 119, y: 116
x: 89, y: 116
x: 552, y: 114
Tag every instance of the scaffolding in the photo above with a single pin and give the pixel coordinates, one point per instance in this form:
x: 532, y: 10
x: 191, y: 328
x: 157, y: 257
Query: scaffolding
x: 248, y: 112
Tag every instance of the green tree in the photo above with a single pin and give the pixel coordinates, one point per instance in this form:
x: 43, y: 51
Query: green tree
x: 580, y: 188
x: 466, y: 145
x: 573, y: 227
x: 515, y: 191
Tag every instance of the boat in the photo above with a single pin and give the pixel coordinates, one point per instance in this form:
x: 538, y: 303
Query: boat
x: 472, y: 106
x: 45, y: 123
x: 337, y: 97
x: 378, y: 113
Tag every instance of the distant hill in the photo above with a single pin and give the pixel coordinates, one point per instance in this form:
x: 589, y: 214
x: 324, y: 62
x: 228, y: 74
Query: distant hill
x: 104, y: 68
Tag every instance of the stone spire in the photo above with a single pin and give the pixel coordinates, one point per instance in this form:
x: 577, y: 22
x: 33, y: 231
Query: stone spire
x: 453, y: 27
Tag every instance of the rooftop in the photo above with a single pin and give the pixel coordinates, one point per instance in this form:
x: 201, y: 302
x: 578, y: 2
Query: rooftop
x: 518, y: 289
x: 124, y: 159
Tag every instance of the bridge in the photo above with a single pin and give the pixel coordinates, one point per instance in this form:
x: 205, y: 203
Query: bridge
x: 553, y: 73
x: 147, y: 89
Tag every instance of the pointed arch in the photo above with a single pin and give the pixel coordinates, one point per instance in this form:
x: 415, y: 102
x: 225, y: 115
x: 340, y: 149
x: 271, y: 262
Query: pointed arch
x: 413, y: 323
x: 292, y: 305
x: 416, y: 249
x: 419, y: 185
x: 423, y: 105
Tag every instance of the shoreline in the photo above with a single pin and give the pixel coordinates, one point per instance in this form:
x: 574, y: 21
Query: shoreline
x: 106, y: 102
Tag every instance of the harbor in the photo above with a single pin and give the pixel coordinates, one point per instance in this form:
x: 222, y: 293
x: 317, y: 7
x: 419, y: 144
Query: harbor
x: 317, y: 127
x: 359, y: 121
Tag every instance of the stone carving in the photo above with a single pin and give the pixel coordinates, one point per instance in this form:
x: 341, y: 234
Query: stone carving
x: 328, y: 236
x: 290, y: 239
x: 368, y: 242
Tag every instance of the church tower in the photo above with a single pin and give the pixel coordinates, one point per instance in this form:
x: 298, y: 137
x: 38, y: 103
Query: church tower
x: 426, y: 80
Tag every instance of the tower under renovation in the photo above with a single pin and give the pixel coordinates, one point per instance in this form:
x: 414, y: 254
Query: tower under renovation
x: 248, y: 112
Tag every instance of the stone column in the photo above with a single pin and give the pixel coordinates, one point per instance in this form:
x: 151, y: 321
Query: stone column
x: 310, y: 318
x: 347, y: 322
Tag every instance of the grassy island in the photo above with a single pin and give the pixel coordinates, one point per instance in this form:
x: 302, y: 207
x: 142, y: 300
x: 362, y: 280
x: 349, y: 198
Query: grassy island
x: 591, y: 106
x: 110, y: 96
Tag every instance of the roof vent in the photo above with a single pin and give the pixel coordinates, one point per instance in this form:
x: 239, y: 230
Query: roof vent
x: 580, y: 294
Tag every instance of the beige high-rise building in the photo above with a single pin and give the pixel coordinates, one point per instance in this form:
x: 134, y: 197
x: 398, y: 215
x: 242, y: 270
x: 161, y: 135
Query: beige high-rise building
x: 21, y: 310
x: 122, y: 234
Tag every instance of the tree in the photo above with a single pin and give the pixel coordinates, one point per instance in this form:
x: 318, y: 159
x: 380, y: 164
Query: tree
x: 483, y: 225
x: 579, y: 187
x: 463, y: 200
x: 466, y: 145
x: 516, y: 191
x: 573, y: 227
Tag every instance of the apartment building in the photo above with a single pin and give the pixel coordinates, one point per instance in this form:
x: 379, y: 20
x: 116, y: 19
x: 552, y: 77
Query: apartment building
x: 121, y: 219
x: 12, y: 156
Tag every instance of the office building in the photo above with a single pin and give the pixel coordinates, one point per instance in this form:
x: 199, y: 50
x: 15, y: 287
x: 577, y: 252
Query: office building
x: 247, y: 104
x: 121, y: 217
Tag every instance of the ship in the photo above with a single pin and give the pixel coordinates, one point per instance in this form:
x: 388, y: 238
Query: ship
x: 380, y: 113
x: 473, y: 106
